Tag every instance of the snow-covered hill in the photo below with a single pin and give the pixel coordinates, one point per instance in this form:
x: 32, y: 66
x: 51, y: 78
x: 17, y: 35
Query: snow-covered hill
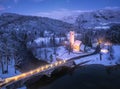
x: 86, y: 19
x: 10, y: 21
x: 71, y: 18
x: 90, y: 19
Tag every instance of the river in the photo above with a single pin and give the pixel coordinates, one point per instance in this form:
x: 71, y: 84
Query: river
x: 85, y: 77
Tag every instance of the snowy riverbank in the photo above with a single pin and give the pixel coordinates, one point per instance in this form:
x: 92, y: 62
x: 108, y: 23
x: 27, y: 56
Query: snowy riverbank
x: 106, y: 60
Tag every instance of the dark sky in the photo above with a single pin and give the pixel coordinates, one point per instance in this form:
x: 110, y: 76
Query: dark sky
x: 33, y: 7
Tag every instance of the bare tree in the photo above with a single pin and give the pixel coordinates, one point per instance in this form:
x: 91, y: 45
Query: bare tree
x: 6, y: 50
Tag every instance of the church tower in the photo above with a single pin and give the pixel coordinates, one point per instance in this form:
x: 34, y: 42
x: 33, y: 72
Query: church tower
x: 72, y: 38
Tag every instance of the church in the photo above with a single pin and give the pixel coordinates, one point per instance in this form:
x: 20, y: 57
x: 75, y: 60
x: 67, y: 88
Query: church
x: 74, y: 44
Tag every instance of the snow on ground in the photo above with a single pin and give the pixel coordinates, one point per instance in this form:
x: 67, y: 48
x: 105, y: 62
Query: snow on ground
x: 11, y: 71
x: 40, y: 54
x: 64, y: 54
x: 46, y: 40
x: 95, y: 59
x: 61, y: 53
x: 116, y: 50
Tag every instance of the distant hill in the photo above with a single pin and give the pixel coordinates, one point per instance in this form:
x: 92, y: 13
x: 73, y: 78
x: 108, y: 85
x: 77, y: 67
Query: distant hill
x: 88, y: 19
x: 11, y: 21
x: 95, y: 18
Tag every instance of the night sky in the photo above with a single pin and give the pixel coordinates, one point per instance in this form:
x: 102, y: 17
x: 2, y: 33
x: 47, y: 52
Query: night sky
x: 35, y: 7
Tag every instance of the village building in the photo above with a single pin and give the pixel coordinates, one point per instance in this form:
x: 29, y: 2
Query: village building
x: 72, y: 38
x: 74, y: 44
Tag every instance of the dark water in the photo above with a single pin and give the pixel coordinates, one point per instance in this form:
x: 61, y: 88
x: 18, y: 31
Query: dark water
x: 87, y: 77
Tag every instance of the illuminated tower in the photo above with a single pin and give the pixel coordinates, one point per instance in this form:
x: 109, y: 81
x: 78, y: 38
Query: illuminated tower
x: 72, y: 37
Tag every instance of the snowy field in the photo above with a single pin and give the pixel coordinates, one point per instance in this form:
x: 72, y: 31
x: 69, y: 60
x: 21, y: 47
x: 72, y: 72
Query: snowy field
x: 95, y: 59
x: 46, y: 54
x: 61, y: 53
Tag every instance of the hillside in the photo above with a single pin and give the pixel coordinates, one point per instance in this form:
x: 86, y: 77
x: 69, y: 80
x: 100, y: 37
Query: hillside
x: 18, y: 32
x: 10, y: 21
x: 95, y: 18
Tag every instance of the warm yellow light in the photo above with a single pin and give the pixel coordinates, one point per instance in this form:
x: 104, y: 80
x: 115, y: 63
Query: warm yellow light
x: 46, y: 66
x: 100, y: 40
x: 16, y: 78
x: 104, y: 51
x: 42, y: 68
x: 38, y: 70
x: 31, y: 72
x: 76, y: 46
x: 23, y: 75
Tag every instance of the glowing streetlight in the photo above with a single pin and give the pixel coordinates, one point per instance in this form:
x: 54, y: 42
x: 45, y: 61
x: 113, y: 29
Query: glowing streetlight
x: 46, y: 66
x: 38, y: 70
x: 31, y: 72
x: 42, y: 68
x: 16, y: 78
x: 23, y: 75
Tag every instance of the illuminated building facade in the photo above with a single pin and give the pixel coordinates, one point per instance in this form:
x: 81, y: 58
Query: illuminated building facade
x: 74, y: 44
x: 72, y: 38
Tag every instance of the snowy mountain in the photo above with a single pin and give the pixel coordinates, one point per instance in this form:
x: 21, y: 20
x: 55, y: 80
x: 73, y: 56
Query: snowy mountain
x: 91, y: 19
x: 12, y: 21
x: 71, y: 18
